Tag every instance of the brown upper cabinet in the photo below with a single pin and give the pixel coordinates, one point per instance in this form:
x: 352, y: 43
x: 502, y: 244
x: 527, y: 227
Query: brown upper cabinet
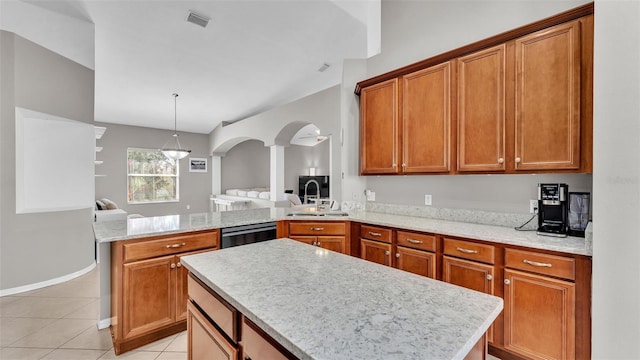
x: 547, y: 118
x: 518, y: 102
x: 413, y: 137
x: 482, y: 110
x: 379, y: 128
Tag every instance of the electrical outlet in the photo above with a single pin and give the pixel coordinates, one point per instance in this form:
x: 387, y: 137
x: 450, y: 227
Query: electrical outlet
x: 188, y: 207
x: 371, y: 196
x: 533, y: 206
x: 427, y: 199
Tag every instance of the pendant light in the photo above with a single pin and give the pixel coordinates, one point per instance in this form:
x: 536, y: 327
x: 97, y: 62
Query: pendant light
x: 172, y: 148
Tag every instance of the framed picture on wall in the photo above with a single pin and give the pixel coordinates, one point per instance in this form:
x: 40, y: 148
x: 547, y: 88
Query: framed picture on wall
x: 198, y: 165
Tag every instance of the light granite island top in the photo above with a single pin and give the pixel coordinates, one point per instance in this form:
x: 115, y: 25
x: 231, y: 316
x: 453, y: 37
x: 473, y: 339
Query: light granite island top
x: 320, y: 304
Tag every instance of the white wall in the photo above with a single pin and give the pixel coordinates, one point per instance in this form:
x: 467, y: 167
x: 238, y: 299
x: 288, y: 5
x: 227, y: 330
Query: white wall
x: 40, y: 247
x: 616, y: 181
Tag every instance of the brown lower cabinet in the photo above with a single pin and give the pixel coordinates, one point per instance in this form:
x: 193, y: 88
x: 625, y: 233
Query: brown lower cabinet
x: 218, y: 331
x: 149, y: 290
x: 547, y: 295
x: 330, y: 235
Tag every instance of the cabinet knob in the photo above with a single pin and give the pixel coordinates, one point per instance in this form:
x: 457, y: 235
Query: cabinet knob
x: 404, y: 165
x: 397, y: 255
x: 500, y: 160
x: 517, y: 159
x: 179, y: 265
x: 507, y: 281
x: 393, y: 165
x: 489, y: 277
x: 387, y: 252
x: 173, y: 266
x: 317, y: 243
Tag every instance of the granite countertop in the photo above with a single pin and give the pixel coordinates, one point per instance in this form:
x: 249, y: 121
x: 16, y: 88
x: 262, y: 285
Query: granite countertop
x: 143, y: 227
x: 321, y: 304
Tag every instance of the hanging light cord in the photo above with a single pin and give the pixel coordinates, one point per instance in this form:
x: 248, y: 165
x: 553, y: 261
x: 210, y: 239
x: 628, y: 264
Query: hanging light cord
x: 175, y: 114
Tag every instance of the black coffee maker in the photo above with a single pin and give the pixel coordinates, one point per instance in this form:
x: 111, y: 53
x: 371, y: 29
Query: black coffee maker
x: 553, y: 209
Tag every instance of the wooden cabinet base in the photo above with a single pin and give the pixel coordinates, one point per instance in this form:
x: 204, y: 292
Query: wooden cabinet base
x: 120, y: 347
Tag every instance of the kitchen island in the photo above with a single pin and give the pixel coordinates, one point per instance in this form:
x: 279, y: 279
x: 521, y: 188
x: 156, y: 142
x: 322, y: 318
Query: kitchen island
x: 319, y: 304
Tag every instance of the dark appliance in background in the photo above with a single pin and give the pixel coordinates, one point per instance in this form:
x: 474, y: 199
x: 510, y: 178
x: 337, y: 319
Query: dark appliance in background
x: 311, y: 187
x: 553, y: 209
x: 579, y: 204
x: 247, y: 234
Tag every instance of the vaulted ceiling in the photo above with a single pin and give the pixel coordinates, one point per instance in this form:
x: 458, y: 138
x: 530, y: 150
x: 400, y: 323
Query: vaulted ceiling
x: 252, y: 56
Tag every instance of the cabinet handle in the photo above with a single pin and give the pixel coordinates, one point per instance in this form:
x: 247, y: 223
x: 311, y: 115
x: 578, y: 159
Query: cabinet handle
x: 374, y: 233
x: 535, y: 263
x: 317, y: 228
x: 517, y: 159
x: 173, y: 266
x: 507, y: 281
x: 398, y: 255
x: 414, y: 241
x: 466, y: 251
x: 489, y: 277
x: 500, y: 160
x: 176, y: 245
x: 387, y: 252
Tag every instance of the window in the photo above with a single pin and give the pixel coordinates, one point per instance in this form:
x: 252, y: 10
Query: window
x: 151, y: 177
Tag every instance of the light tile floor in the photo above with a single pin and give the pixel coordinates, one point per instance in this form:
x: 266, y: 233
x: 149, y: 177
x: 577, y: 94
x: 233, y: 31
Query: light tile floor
x: 59, y: 322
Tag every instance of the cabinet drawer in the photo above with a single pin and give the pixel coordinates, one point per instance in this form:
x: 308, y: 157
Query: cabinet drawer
x: 415, y: 240
x: 469, y: 250
x: 204, y: 341
x: 169, y: 246
x: 375, y: 233
x: 256, y: 346
x: 544, y: 264
x: 223, y: 314
x: 317, y: 228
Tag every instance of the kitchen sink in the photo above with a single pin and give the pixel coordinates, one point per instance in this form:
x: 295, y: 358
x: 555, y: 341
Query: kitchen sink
x: 323, y: 213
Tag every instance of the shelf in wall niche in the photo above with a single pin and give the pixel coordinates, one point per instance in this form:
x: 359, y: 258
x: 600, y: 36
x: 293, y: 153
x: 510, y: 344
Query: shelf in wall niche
x: 98, y: 162
x: 97, y: 175
x: 99, y: 130
x: 98, y: 148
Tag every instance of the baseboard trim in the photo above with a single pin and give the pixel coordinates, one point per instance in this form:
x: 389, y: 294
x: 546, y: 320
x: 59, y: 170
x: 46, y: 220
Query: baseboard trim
x: 103, y: 323
x: 39, y: 285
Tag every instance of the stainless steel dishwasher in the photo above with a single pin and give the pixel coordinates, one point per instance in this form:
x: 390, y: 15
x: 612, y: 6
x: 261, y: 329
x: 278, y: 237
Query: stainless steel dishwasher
x: 247, y: 234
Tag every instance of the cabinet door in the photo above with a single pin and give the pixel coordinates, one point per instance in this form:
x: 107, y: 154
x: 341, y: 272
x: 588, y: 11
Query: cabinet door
x: 471, y: 275
x: 204, y: 341
x: 547, y: 124
x: 539, y: 316
x: 149, y: 288
x: 375, y: 251
x: 379, y: 128
x: 416, y: 261
x: 426, y: 120
x: 481, y: 110
x: 334, y: 243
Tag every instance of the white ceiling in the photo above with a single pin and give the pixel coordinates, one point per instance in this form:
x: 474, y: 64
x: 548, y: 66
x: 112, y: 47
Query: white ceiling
x: 253, y: 56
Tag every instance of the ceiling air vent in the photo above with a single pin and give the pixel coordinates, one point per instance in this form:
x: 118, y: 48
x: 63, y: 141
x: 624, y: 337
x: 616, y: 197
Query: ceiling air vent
x: 324, y: 67
x: 197, y: 19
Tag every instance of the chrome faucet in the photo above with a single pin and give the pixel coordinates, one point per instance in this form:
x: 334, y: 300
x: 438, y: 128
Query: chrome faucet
x: 306, y: 197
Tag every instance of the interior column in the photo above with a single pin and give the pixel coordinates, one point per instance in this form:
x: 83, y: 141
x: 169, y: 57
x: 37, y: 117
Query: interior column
x: 216, y: 175
x: 277, y: 172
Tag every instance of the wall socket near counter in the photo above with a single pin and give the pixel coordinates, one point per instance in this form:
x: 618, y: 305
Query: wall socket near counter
x: 371, y: 195
x: 427, y: 199
x: 533, y: 206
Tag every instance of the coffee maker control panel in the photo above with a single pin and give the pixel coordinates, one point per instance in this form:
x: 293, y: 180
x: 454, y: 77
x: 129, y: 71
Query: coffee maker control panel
x: 552, y: 194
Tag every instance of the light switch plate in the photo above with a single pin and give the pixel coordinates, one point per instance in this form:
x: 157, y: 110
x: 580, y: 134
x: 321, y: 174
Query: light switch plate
x: 427, y: 199
x: 371, y: 196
